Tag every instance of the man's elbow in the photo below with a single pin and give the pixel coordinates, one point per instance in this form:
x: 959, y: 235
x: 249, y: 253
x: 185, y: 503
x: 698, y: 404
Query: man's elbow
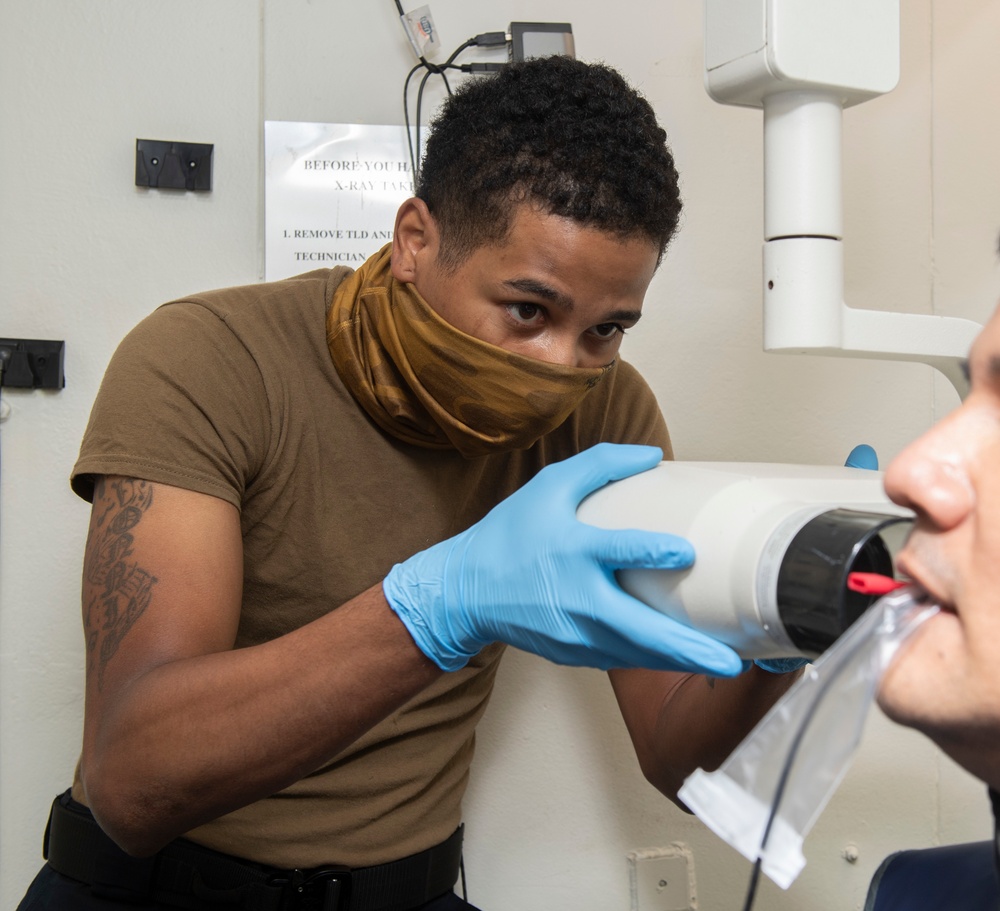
x: 661, y: 776
x: 125, y: 817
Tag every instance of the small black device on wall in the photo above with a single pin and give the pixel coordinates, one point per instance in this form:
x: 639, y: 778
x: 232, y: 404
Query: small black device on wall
x: 167, y: 165
x: 31, y: 363
x: 541, y: 39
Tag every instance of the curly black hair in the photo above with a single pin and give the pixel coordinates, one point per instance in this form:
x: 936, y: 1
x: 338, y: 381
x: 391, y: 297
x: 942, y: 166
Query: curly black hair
x: 571, y: 137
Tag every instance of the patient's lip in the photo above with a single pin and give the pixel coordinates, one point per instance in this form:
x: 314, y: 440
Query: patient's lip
x: 910, y: 568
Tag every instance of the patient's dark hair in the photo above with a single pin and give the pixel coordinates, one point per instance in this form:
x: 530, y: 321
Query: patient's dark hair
x: 573, y: 138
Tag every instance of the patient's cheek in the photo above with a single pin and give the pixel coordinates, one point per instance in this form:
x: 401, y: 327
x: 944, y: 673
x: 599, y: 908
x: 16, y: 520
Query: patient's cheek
x: 917, y: 684
x: 892, y: 693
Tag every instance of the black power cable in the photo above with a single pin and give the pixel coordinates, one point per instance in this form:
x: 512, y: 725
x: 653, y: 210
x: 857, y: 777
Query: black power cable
x: 485, y: 39
x: 779, y: 791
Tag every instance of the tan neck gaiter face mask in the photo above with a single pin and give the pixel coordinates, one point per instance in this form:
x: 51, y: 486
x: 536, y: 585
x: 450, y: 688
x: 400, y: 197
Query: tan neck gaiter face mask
x: 426, y: 383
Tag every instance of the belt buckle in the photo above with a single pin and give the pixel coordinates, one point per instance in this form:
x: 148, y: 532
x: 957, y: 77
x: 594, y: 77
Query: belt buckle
x: 322, y: 889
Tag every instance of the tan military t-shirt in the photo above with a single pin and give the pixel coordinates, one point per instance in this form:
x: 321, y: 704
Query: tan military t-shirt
x: 233, y: 393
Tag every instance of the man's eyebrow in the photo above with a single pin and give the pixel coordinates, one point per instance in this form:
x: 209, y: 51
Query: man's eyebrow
x: 548, y: 293
x: 538, y: 289
x: 623, y: 316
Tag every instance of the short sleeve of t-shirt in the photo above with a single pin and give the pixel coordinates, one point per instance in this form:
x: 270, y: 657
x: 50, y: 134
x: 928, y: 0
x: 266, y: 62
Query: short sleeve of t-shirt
x: 182, y: 403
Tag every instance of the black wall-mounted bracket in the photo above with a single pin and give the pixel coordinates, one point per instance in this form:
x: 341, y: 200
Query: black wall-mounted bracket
x: 31, y: 363
x: 173, y: 165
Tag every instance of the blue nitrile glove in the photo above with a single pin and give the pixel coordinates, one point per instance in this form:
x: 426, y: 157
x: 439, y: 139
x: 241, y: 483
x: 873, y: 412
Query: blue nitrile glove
x: 532, y: 575
x: 780, y: 665
x: 861, y: 456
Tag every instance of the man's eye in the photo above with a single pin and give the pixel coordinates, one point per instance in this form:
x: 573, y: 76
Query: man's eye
x: 608, y: 330
x: 526, y: 313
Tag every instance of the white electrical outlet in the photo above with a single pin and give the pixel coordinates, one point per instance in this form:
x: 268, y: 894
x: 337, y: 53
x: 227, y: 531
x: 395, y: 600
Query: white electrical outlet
x: 662, y: 879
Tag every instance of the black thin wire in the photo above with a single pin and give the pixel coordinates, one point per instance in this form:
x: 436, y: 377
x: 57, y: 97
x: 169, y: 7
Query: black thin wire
x: 406, y: 118
x: 423, y: 64
x: 420, y: 98
x: 754, y: 879
x: 448, y: 64
x: 779, y: 791
x: 432, y: 69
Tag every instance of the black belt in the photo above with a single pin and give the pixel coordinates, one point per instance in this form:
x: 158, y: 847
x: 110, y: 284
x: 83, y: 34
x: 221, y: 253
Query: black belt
x: 188, y: 875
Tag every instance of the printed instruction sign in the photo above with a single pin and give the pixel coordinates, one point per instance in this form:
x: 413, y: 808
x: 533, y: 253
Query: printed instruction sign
x: 331, y: 192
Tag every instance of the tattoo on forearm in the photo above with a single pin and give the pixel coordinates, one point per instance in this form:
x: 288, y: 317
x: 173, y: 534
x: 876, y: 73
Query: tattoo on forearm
x: 118, y: 589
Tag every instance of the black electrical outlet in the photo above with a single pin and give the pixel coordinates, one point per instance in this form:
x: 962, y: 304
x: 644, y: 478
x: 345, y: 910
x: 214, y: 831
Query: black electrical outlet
x: 27, y: 363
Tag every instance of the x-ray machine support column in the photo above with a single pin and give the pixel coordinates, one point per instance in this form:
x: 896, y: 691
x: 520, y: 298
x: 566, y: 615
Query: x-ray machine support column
x: 803, y: 62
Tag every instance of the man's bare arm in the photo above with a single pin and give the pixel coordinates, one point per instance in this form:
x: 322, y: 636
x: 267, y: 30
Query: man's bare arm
x: 180, y: 727
x: 680, y: 722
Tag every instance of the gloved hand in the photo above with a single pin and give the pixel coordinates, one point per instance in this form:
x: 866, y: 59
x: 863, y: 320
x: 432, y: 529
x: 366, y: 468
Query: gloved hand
x: 532, y: 575
x: 780, y: 665
x: 861, y: 456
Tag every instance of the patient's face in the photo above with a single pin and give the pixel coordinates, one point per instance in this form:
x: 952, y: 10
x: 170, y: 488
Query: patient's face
x: 946, y: 682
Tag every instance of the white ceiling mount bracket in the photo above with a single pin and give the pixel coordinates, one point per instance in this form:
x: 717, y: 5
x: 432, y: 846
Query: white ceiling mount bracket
x: 803, y: 62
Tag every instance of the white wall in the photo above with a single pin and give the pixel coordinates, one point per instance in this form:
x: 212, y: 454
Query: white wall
x: 556, y: 801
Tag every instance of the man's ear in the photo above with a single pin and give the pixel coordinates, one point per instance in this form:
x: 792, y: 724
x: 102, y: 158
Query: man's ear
x: 414, y: 239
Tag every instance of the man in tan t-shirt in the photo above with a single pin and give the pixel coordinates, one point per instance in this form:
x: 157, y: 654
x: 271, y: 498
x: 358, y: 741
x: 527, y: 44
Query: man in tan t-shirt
x: 323, y: 506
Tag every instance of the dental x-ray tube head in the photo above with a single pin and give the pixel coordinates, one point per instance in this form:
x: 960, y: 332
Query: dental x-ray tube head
x: 774, y: 546
x: 756, y: 48
x: 812, y: 597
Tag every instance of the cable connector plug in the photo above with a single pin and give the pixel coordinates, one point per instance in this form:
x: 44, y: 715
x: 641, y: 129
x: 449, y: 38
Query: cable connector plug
x: 491, y: 39
x: 482, y: 67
